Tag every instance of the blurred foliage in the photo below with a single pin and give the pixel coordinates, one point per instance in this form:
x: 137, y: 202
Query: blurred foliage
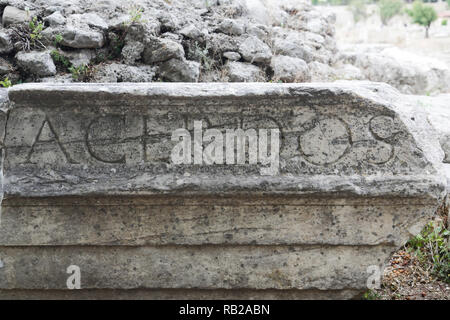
x: 422, y: 15
x: 388, y: 9
x: 358, y: 9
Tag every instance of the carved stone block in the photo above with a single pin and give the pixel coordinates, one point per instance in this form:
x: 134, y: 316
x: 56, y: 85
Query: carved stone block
x: 89, y: 180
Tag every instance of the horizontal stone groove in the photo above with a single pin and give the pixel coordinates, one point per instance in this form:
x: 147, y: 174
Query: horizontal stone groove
x: 210, y: 187
x: 205, y: 267
x: 178, y: 294
x: 237, y: 200
x: 8, y: 203
x: 260, y: 224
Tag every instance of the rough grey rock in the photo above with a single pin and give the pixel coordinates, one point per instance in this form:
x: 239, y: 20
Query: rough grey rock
x: 80, y: 38
x: 294, y: 46
x: 5, y: 67
x: 85, y: 164
x: 139, y: 32
x: 12, y: 15
x: 63, y: 78
x: 132, y: 52
x: 75, y: 37
x: 159, y: 50
x: 171, y: 36
x: 318, y: 26
x: 175, y: 70
x: 254, y: 50
x: 409, y: 73
x: 259, y: 31
x: 289, y: 69
x: 231, y: 27
x: 38, y: 63
x: 66, y: 7
x: 347, y: 71
x: 221, y: 43
x: 438, y: 115
x: 169, y: 21
x: 118, y: 23
x: 5, y: 43
x: 192, y: 32
x: 244, y: 72
x: 322, y: 72
x: 79, y: 57
x: 232, y: 56
x: 105, y: 6
x: 115, y: 72
x: 314, y: 38
x: 4, y: 106
x: 55, y: 19
x: 91, y: 19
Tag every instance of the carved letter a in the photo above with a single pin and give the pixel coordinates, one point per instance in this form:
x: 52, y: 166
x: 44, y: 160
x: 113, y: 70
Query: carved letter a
x: 47, y: 137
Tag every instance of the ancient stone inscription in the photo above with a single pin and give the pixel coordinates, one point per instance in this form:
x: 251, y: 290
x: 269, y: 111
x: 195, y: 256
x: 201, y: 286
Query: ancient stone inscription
x: 309, y: 139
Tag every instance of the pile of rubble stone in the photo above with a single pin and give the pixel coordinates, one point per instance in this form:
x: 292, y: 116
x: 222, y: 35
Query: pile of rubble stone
x: 115, y: 41
x: 193, y: 41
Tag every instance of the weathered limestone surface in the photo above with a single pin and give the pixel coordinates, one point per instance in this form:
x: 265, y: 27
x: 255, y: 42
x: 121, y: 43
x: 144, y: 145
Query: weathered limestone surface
x: 88, y: 181
x: 437, y: 113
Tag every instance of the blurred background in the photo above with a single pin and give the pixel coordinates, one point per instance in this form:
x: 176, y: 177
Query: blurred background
x: 389, y: 22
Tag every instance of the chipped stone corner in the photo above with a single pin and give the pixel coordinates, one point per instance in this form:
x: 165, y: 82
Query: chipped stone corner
x: 4, y: 108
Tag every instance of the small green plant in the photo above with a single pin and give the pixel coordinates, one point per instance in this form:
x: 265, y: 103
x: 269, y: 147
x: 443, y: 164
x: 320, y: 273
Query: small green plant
x: 203, y: 55
x: 444, y: 22
x: 36, y: 28
x: 422, y: 15
x: 388, y: 9
x: 371, y: 295
x: 58, y: 39
x: 28, y: 35
x: 117, y: 40
x: 60, y: 60
x: 358, y: 9
x: 116, y: 44
x: 431, y: 247
x: 6, y: 83
x: 135, y: 15
x: 81, y: 73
